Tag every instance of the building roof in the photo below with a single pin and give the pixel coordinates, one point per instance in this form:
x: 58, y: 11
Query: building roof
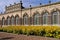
x: 39, y: 6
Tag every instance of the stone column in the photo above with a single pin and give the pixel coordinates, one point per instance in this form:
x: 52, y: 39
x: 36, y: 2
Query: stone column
x: 41, y: 20
x: 10, y: 21
x: 20, y: 21
x: 0, y: 23
x: 5, y: 22
x: 32, y: 21
x: 29, y: 21
x: 15, y: 21
x: 49, y: 19
x: 30, y: 18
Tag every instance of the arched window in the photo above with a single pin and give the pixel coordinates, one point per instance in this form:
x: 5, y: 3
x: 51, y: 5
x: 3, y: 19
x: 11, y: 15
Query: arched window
x: 45, y: 18
x: 8, y: 20
x: 25, y: 19
x: 17, y: 20
x: 36, y: 18
x: 55, y: 17
x: 12, y: 20
x: 3, y: 21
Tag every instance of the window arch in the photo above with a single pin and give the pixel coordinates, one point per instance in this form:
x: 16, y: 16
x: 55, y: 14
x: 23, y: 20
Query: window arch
x: 3, y: 21
x: 36, y: 18
x: 12, y: 20
x: 8, y: 20
x: 45, y: 18
x: 17, y: 19
x: 55, y: 17
x: 25, y: 19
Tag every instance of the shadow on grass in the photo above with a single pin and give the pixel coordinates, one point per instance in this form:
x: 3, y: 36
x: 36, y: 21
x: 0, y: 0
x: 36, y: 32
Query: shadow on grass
x: 6, y: 38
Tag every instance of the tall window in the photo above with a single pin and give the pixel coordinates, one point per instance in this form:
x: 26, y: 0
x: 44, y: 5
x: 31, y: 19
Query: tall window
x: 45, y: 18
x: 3, y: 21
x: 36, y: 19
x: 55, y: 17
x: 12, y: 20
x: 8, y: 21
x: 17, y: 20
x: 25, y: 19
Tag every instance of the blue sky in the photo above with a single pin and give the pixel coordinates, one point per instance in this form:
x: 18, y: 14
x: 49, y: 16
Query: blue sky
x: 26, y: 3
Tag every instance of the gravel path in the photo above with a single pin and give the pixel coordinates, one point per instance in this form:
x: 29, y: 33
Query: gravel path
x: 10, y: 36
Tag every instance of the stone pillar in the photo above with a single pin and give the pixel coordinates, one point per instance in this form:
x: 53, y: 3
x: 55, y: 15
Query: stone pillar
x: 29, y: 22
x: 49, y: 19
x: 10, y: 21
x: 32, y: 20
x: 41, y: 20
x: 14, y: 21
x: 20, y: 21
x: 0, y: 23
x: 6, y: 22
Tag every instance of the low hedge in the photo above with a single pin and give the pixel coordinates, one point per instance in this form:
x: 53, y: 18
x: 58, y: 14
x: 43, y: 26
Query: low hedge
x: 46, y: 31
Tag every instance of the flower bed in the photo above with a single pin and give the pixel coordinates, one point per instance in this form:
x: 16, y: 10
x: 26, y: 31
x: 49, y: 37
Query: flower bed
x: 46, y: 31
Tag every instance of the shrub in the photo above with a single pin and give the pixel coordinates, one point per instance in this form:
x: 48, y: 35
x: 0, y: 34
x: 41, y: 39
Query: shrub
x: 47, y: 31
x: 10, y: 31
x: 1, y: 29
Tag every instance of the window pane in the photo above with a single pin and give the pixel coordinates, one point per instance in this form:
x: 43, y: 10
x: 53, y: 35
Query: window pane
x: 55, y: 19
x: 8, y: 21
x: 12, y: 20
x: 45, y: 18
x: 3, y: 21
x: 17, y: 19
x: 25, y: 20
x: 36, y: 19
x: 59, y: 18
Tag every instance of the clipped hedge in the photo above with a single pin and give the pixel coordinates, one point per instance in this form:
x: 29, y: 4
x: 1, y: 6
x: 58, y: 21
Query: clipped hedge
x: 46, y: 31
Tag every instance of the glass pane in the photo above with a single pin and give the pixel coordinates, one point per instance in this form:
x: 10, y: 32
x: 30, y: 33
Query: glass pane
x: 8, y: 21
x: 12, y: 20
x: 25, y: 20
x: 36, y: 19
x: 55, y: 19
x: 59, y: 18
x: 3, y: 21
x: 45, y: 18
x: 17, y: 20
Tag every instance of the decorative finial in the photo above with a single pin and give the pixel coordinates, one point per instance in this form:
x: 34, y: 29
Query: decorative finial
x: 40, y: 3
x: 14, y: 3
x: 6, y: 6
x: 20, y: 1
x: 10, y: 4
x: 1, y: 12
x: 49, y: 1
x: 30, y: 5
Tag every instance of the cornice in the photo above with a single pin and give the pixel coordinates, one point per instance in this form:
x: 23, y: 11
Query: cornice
x: 33, y: 7
x: 10, y: 12
x: 43, y: 5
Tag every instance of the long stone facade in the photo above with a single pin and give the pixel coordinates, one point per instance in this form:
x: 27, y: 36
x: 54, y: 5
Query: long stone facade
x: 16, y: 14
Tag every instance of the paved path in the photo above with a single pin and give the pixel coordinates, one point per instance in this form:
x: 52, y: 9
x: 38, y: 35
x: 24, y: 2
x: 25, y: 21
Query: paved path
x: 10, y: 36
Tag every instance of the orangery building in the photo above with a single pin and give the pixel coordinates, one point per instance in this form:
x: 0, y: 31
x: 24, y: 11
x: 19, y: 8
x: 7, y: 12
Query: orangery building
x: 48, y: 14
